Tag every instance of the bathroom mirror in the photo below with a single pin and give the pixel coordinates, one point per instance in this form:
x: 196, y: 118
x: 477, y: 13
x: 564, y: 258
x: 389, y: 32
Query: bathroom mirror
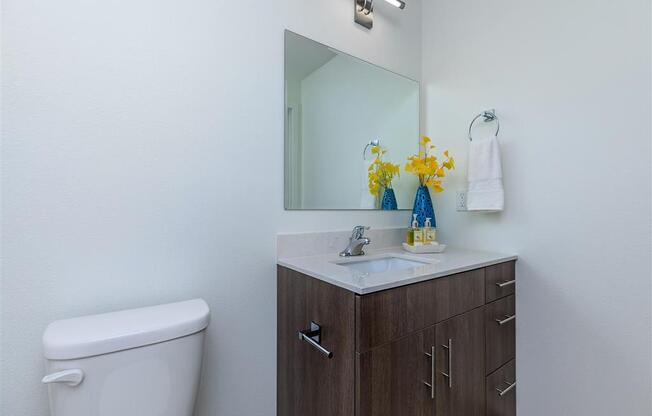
x: 336, y: 105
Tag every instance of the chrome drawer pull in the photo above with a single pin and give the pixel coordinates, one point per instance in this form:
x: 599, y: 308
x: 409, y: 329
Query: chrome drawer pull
x: 508, y: 318
x: 508, y: 283
x: 510, y: 387
x: 431, y: 385
x: 313, y: 337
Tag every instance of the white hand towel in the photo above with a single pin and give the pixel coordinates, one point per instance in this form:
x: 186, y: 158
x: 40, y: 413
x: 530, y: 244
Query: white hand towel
x: 485, y: 176
x: 367, y: 200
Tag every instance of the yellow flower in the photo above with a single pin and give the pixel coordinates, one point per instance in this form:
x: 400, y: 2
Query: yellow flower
x: 426, y: 166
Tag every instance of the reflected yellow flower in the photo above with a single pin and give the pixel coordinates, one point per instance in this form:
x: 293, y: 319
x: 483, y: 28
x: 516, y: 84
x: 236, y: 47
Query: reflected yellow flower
x: 381, y: 173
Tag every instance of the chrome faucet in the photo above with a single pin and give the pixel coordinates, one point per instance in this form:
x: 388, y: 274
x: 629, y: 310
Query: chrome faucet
x: 356, y: 242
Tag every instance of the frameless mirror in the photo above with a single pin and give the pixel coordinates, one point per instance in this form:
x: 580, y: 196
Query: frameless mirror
x: 340, y: 114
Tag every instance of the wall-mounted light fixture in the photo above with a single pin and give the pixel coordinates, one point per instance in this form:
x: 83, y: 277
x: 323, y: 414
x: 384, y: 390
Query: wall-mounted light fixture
x: 397, y: 3
x: 364, y: 11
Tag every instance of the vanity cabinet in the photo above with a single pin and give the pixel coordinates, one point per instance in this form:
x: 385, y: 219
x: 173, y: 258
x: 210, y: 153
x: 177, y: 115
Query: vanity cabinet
x: 440, y: 347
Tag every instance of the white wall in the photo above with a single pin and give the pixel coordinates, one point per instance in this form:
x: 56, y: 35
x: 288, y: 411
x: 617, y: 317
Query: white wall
x: 339, y: 115
x: 143, y: 163
x: 571, y: 85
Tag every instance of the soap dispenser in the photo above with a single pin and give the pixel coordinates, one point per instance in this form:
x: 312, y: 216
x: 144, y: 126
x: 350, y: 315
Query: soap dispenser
x: 429, y: 233
x: 415, y: 234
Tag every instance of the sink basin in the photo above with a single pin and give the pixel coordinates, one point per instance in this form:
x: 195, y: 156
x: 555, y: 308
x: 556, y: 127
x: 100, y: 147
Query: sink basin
x: 383, y: 264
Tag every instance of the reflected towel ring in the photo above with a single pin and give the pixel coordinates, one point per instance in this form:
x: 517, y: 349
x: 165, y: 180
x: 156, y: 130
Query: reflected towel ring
x: 374, y: 142
x: 489, y: 115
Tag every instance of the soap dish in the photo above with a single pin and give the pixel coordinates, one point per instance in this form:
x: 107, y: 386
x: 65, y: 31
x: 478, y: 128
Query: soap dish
x: 426, y: 248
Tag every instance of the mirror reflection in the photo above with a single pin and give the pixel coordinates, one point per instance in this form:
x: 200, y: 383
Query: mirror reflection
x: 349, y: 126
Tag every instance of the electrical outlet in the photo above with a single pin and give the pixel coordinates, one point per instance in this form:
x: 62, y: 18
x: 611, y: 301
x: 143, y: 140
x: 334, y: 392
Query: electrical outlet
x: 461, y: 201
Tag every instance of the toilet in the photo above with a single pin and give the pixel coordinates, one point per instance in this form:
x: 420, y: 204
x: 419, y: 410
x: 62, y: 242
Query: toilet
x: 137, y: 362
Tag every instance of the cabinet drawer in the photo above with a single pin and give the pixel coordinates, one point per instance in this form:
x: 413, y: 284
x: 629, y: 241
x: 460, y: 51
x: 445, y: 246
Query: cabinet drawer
x: 500, y: 319
x: 501, y: 391
x: 500, y: 280
x: 459, y: 293
x: 385, y: 316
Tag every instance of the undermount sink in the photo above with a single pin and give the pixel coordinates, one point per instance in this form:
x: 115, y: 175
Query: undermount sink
x: 383, y: 264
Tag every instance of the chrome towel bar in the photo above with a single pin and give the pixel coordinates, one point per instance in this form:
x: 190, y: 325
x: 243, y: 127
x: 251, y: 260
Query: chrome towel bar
x: 313, y: 337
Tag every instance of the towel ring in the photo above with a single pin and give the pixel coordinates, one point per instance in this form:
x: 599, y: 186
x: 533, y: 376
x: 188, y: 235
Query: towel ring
x: 489, y: 115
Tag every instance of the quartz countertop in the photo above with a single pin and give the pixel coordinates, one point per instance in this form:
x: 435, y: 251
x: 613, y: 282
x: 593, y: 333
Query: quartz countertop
x: 453, y: 260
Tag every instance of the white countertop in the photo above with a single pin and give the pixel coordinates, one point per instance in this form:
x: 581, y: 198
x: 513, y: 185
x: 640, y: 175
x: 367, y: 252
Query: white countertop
x: 453, y: 260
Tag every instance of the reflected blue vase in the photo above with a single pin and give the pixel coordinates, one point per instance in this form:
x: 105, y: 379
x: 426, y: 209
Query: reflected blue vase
x: 423, y: 207
x: 389, y: 200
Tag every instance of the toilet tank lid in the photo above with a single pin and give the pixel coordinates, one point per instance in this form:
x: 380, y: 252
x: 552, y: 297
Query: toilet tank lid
x: 91, y: 335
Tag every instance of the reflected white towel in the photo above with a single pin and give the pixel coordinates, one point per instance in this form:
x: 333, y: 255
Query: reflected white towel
x: 367, y: 200
x: 485, y: 176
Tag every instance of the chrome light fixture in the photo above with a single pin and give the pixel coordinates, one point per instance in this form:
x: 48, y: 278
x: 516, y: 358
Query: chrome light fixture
x: 397, y: 3
x: 364, y: 11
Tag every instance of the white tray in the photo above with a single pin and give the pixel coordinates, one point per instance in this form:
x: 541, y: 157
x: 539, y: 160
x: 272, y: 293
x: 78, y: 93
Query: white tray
x: 426, y: 248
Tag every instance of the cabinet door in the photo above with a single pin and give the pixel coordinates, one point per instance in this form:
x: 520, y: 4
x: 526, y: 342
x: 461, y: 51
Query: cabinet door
x: 395, y: 379
x: 501, y: 391
x: 309, y: 383
x: 460, y: 382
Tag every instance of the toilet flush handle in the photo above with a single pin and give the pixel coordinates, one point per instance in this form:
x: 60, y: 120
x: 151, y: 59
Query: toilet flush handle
x: 69, y: 377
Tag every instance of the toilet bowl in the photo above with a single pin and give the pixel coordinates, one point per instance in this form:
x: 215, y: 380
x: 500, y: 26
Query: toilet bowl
x: 137, y: 362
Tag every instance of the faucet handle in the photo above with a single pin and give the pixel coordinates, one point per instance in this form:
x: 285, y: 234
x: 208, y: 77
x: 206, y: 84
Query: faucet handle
x: 358, y: 232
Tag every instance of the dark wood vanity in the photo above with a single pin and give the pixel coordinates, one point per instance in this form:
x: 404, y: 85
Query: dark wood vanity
x: 443, y: 347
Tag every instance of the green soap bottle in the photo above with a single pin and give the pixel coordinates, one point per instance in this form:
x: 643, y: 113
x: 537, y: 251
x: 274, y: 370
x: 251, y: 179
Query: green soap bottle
x: 409, y: 237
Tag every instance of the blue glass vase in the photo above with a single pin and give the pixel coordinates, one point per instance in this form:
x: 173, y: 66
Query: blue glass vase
x: 389, y: 200
x: 423, y: 207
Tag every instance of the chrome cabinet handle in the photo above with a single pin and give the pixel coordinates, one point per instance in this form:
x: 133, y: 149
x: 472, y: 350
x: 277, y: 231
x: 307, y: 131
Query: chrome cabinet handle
x: 510, y: 387
x: 431, y: 385
x: 313, y: 337
x: 508, y: 318
x: 449, y: 375
x: 508, y: 283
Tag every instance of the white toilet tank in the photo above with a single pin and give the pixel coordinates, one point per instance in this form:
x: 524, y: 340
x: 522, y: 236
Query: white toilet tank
x: 137, y: 362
